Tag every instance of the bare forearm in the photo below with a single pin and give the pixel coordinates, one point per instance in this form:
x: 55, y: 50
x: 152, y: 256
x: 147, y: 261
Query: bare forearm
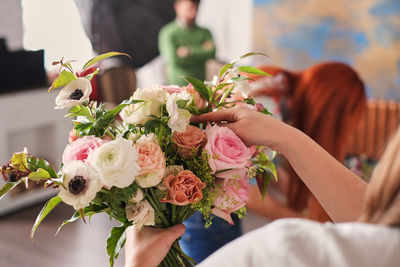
x: 339, y: 191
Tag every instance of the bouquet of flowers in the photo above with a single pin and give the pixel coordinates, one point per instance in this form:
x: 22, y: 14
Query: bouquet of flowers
x: 142, y: 162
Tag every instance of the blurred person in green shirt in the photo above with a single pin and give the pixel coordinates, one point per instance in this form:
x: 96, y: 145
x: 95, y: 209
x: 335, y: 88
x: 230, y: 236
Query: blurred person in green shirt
x: 184, y: 46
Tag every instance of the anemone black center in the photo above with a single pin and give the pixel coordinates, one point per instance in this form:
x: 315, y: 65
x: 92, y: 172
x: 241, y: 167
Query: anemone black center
x: 76, y: 95
x: 76, y: 185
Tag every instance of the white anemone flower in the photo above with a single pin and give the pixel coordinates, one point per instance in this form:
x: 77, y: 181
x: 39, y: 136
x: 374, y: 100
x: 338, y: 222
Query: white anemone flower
x: 74, y: 93
x: 116, y: 162
x: 81, y: 183
x: 140, y: 214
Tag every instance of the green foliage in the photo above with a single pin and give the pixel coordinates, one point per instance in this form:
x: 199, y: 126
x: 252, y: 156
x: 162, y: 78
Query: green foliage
x: 19, y: 162
x: 241, y: 213
x: 38, y: 175
x: 37, y: 163
x: 233, y: 62
x: 266, y: 170
x: 199, y: 166
x: 199, y: 86
x: 63, y: 79
x: 88, y: 211
x: 49, y: 206
x: 252, y: 70
x: 80, y: 110
x: 115, y: 242
x: 101, y: 57
x: 7, y: 187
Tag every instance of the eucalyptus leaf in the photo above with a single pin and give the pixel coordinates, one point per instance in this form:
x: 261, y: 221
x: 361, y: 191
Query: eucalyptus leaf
x: 49, y: 206
x: 199, y: 86
x: 115, y: 242
x: 7, y: 187
x: 62, y: 80
x: 252, y: 70
x: 101, y: 57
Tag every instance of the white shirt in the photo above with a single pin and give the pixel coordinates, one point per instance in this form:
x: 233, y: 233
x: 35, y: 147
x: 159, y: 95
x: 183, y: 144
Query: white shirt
x: 298, y: 242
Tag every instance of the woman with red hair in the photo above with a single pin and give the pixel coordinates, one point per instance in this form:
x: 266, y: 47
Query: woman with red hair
x: 326, y: 102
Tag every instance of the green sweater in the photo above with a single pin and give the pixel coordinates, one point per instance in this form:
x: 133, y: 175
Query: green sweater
x: 171, y: 37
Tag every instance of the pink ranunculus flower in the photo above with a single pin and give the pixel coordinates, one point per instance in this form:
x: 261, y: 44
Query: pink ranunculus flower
x: 81, y: 148
x: 233, y: 195
x: 229, y: 156
x: 151, y: 161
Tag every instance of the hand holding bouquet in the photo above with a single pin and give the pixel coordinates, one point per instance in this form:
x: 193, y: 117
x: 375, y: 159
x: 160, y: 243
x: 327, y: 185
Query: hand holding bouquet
x: 142, y: 162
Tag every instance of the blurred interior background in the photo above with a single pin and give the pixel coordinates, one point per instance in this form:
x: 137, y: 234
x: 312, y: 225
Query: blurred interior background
x: 365, y: 34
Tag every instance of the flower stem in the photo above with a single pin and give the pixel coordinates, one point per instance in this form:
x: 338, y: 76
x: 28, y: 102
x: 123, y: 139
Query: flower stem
x: 110, y: 134
x: 154, y: 202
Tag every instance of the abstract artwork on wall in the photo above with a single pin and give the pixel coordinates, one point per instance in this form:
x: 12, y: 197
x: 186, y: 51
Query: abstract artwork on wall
x: 363, y: 33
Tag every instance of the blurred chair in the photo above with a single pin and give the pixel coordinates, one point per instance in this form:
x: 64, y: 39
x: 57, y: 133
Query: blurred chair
x: 379, y: 123
x: 117, y: 84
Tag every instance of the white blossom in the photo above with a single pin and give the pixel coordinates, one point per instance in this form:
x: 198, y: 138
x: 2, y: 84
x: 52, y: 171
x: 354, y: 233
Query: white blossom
x: 179, y: 117
x: 116, y: 162
x: 140, y: 214
x: 74, y: 93
x: 81, y: 184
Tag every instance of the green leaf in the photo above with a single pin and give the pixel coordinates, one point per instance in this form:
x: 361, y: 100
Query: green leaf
x: 252, y: 70
x: 88, y: 211
x: 182, y: 103
x: 115, y: 242
x: 101, y: 57
x: 233, y: 62
x: 199, y: 86
x: 49, y: 206
x: 91, y: 75
x: 263, y: 179
x: 62, y: 80
x: 80, y: 110
x: 7, y: 187
x: 222, y: 85
x: 225, y: 68
x: 270, y: 167
x: 19, y: 162
x: 39, y: 174
x: 37, y: 163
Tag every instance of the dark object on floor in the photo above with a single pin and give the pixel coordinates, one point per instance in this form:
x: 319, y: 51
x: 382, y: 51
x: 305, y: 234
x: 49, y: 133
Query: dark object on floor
x: 21, y: 69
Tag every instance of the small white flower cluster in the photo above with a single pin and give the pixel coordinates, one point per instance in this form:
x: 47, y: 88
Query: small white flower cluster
x: 154, y: 98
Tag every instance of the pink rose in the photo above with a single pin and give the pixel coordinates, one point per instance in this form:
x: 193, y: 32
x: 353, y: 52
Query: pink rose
x: 199, y: 102
x: 229, y: 156
x: 183, y: 189
x: 81, y: 148
x: 151, y: 161
x: 189, y: 142
x: 233, y: 195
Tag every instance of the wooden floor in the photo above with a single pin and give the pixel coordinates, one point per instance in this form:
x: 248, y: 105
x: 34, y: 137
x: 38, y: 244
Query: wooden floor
x: 77, y: 245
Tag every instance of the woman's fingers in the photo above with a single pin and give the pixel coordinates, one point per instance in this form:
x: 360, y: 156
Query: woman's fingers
x: 174, y: 232
x: 217, y: 116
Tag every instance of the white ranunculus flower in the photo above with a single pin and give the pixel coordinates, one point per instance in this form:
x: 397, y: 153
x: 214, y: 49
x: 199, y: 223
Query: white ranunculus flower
x: 140, y: 214
x: 179, y: 117
x: 116, y: 162
x: 74, y: 93
x: 139, y: 196
x: 139, y: 113
x: 81, y: 182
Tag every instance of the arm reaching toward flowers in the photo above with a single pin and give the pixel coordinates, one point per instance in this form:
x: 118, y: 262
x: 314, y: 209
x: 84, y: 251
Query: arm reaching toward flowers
x: 340, y: 192
x: 148, y: 247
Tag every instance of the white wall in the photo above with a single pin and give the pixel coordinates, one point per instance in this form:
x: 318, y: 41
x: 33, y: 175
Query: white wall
x: 230, y: 22
x: 11, y: 23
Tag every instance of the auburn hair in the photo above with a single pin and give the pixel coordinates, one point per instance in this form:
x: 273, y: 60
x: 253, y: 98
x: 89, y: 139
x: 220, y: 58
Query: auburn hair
x: 327, y: 102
